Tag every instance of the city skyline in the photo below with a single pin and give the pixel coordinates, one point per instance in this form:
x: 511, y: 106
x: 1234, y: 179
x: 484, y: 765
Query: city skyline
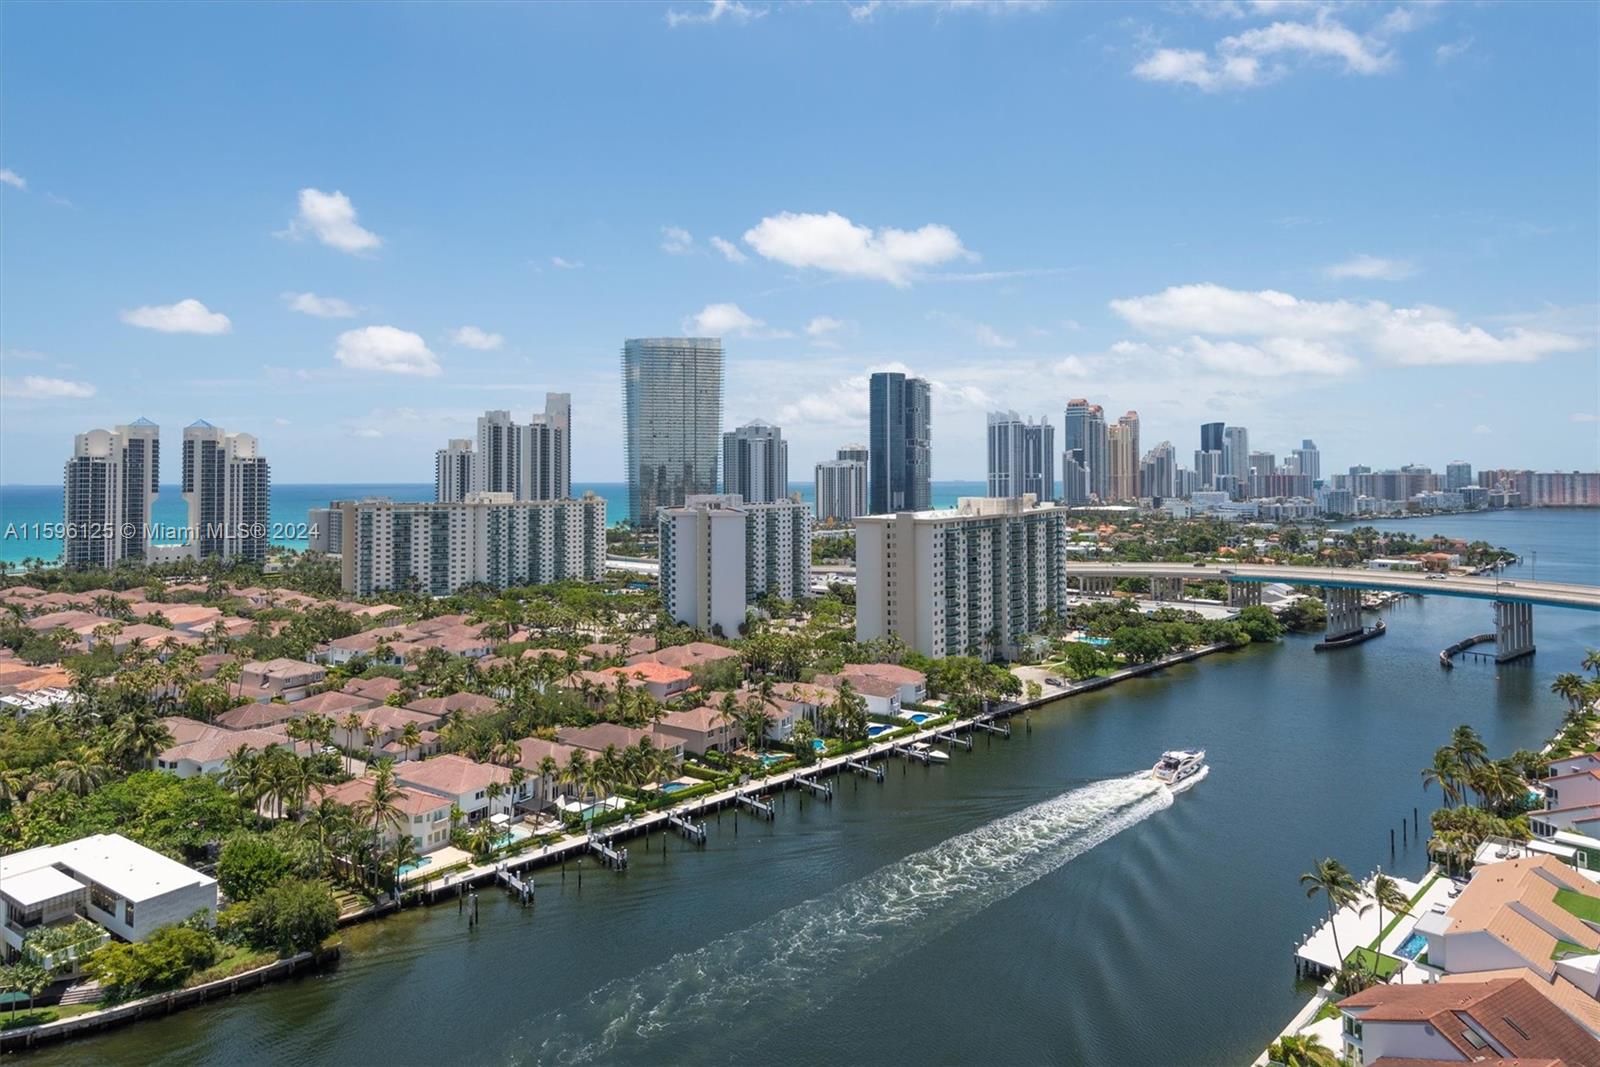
x: 355, y: 319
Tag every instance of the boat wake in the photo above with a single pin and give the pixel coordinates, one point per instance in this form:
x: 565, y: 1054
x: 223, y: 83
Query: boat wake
x: 800, y: 958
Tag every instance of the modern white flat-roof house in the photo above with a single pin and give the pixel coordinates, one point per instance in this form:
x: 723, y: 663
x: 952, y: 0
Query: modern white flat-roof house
x: 126, y: 888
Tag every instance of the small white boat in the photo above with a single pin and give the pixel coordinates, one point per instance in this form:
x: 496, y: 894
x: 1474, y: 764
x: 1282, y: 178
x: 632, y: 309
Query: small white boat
x: 922, y: 748
x: 1180, y: 766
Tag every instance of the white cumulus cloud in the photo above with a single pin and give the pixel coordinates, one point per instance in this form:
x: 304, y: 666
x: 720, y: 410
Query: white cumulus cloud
x: 1309, y: 34
x: 1373, y: 268
x: 33, y: 387
x: 729, y: 250
x: 833, y: 243
x: 387, y: 349
x: 323, y: 307
x: 714, y: 11
x: 12, y: 178
x: 1280, y: 333
x: 823, y: 324
x: 675, y: 240
x: 475, y: 337
x: 563, y: 263
x: 728, y: 320
x: 331, y: 219
x: 186, y: 316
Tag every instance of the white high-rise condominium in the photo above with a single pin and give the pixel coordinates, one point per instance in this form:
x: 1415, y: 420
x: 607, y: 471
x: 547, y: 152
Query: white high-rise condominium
x: 755, y: 463
x: 973, y: 579
x: 1159, y: 471
x: 452, y: 471
x: 855, y: 453
x: 1236, y: 456
x: 719, y: 554
x: 1022, y: 456
x: 1458, y: 475
x: 228, y: 487
x: 842, y: 486
x: 531, y: 461
x: 109, y: 485
x: 1308, y: 460
x: 488, y: 539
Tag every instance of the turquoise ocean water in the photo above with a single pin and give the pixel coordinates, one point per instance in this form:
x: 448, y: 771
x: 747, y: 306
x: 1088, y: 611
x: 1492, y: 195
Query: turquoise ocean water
x: 27, y: 511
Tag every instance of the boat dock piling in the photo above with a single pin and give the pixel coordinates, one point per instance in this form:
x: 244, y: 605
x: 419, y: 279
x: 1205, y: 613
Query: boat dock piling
x: 693, y: 831
x: 763, y: 810
x: 912, y: 754
x: 1004, y: 730
x: 955, y: 739
x: 522, y: 890
x: 821, y: 789
x: 866, y: 770
x: 615, y: 858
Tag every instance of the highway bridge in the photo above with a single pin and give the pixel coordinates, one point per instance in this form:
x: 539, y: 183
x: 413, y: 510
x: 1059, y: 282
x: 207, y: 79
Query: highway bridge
x: 1513, y: 600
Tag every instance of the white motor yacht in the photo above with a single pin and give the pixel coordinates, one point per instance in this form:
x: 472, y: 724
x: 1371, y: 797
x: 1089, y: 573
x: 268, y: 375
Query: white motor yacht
x: 1179, y: 765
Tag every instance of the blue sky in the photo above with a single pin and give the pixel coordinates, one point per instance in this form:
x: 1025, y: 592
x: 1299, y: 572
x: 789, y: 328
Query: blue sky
x: 350, y: 229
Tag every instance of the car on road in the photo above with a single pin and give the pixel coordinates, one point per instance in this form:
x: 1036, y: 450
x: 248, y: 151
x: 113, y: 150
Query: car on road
x: 1057, y: 682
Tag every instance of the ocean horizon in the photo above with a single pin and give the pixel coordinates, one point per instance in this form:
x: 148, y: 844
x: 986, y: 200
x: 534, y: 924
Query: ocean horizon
x: 28, y: 512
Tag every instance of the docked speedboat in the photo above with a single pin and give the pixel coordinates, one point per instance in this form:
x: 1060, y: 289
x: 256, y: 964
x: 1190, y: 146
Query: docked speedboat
x: 928, y: 753
x: 1179, y: 765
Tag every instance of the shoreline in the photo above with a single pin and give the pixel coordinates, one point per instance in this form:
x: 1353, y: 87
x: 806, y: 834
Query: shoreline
x: 429, y: 894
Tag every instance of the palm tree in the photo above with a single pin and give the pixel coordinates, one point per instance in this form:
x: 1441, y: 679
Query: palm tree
x: 403, y: 853
x: 548, y: 769
x: 381, y: 805
x: 241, y: 772
x: 410, y: 737
x: 81, y: 775
x: 1591, y: 660
x: 1447, y: 770
x: 139, y: 736
x: 1333, y: 880
x: 322, y: 823
x: 1468, y: 747
x: 576, y: 774
x: 1387, y: 894
x: 351, y: 723
x: 1570, y: 687
x: 1301, y: 1050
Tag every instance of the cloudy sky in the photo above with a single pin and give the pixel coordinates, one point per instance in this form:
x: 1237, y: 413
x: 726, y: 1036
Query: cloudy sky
x: 350, y: 229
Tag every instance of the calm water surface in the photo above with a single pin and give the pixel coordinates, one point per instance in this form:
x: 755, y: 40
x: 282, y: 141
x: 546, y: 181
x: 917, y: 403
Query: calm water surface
x: 1018, y: 905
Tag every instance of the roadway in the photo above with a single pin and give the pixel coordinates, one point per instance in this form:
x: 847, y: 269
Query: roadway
x: 1477, y: 587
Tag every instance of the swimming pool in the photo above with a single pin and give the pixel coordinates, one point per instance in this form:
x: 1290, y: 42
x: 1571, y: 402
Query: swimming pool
x: 918, y: 717
x: 1097, y: 642
x: 818, y: 744
x: 1413, y: 946
x: 414, y: 865
x: 878, y: 728
x: 675, y: 787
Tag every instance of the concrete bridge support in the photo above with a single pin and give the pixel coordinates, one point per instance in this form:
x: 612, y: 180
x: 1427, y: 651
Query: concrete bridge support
x: 1097, y: 586
x: 1244, y: 594
x: 1344, y: 612
x: 1513, y: 631
x: 1167, y: 588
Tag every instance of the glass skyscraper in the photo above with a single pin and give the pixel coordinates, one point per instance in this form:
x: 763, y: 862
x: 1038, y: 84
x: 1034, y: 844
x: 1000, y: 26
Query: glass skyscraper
x: 672, y: 405
x: 899, y: 462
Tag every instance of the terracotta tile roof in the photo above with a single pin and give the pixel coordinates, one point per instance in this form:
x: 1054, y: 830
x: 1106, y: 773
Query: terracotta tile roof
x: 596, y: 737
x: 255, y: 716
x: 1561, y: 992
x: 451, y: 775
x: 1510, y: 1011
x: 535, y: 749
x: 689, y: 655
x: 409, y: 801
x: 332, y: 703
x: 892, y: 672
x: 1498, y: 884
x: 702, y: 719
x: 375, y: 688
x: 648, y: 671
